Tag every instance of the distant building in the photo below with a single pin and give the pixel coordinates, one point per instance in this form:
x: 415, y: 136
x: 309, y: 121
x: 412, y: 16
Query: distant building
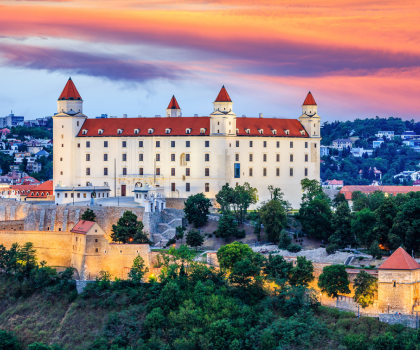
x: 333, y: 184
x: 324, y: 151
x: 376, y: 172
x: 408, y: 135
x: 359, y: 152
x: 342, y: 143
x: 11, y: 120
x: 408, y: 175
x: 377, y: 143
x: 388, y: 134
x: 416, y: 183
x: 388, y: 190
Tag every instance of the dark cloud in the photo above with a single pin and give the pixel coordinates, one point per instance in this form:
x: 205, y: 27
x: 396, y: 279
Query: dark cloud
x: 71, y: 62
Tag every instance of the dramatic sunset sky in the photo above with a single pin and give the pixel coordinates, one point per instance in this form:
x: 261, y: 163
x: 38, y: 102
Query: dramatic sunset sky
x: 359, y: 58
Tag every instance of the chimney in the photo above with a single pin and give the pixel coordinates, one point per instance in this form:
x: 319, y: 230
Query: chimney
x: 157, y: 116
x: 243, y: 116
x: 139, y: 115
x: 124, y: 115
x: 261, y: 115
x: 195, y: 115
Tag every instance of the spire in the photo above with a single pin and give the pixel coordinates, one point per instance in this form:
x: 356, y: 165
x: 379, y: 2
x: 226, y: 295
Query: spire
x: 309, y: 100
x: 70, y: 92
x: 400, y: 260
x: 173, y: 104
x: 223, y: 96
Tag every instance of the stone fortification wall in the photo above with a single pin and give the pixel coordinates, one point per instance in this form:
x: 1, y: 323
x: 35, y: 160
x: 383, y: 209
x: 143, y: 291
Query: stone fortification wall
x: 12, y: 225
x: 53, y: 247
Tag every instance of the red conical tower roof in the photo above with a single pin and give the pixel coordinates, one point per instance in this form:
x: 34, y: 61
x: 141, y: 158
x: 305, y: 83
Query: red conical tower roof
x: 400, y: 260
x: 70, y: 92
x: 223, y: 96
x: 173, y: 104
x: 309, y: 100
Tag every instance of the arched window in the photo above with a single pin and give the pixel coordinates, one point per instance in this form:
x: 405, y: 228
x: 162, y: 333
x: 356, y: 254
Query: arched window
x: 182, y: 159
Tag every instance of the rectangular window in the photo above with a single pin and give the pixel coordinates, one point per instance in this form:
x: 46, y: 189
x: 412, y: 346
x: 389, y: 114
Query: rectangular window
x: 187, y: 171
x: 250, y: 171
x: 277, y: 171
x: 264, y: 157
x: 140, y: 171
x: 62, y: 145
x: 124, y: 157
x: 206, y: 187
x: 61, y: 159
x: 306, y: 144
x: 87, y: 144
x: 105, y: 171
x: 187, y: 187
x: 173, y: 186
x: 291, y: 157
x: 124, y: 171
x: 264, y: 171
x: 207, y: 157
x: 237, y: 143
x: 65, y: 195
x: 250, y: 143
x: 140, y: 157
x: 157, y: 171
x: 157, y: 143
x: 207, y: 143
x: 250, y: 157
x: 140, y: 143
x: 187, y: 143
x: 78, y: 145
x: 278, y: 144
x: 206, y: 172
x: 87, y: 171
x: 172, y: 157
x: 105, y: 157
x: 237, y: 172
x: 172, y: 143
x: 105, y: 144
x: 88, y: 157
x: 124, y: 144
x: 306, y: 171
x: 291, y: 171
x: 78, y: 195
x: 277, y: 157
x: 291, y: 144
x: 172, y: 171
x: 158, y: 157
x: 306, y: 157
x: 264, y: 143
x: 187, y: 157
x: 237, y: 157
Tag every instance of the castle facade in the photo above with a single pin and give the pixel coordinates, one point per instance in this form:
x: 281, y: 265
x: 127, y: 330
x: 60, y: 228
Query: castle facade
x: 181, y: 155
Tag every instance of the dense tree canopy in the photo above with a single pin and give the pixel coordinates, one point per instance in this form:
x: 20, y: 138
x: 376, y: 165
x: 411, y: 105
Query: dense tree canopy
x: 196, y: 209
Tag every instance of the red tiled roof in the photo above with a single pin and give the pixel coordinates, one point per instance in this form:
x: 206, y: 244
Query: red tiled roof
x: 70, y: 92
x: 42, y: 190
x: 83, y: 227
x: 400, y: 260
x: 309, y: 100
x: 22, y: 187
x: 348, y: 190
x: 178, y: 126
x: 223, y: 96
x: 173, y: 104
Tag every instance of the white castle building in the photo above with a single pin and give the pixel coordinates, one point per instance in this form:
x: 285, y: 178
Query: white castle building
x: 181, y: 156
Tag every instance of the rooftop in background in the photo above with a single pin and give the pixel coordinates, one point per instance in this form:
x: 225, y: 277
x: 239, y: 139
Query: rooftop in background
x: 309, y: 100
x: 392, y: 190
x: 83, y: 227
x: 400, y: 260
x: 70, y: 92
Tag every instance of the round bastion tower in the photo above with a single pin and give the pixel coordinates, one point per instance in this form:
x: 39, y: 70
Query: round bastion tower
x: 67, y: 123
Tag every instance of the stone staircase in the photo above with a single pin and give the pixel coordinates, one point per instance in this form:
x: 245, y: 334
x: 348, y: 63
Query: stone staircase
x: 171, y: 218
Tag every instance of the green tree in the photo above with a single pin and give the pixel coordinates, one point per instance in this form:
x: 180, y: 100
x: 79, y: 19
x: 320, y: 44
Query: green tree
x: 3, y: 257
x: 180, y: 232
x: 274, y: 219
x: 88, y: 215
x: 407, y: 226
x: 365, y: 287
x: 277, y: 269
x: 338, y: 200
x: 315, y: 217
x: 311, y: 189
x: 194, y: 239
x: 341, y: 225
x: 375, y: 250
x: 360, y: 201
x: 140, y: 236
x: 227, y: 226
x: 12, y: 258
x: 127, y: 228
x: 278, y: 195
x: 26, y: 259
x: 385, y: 216
x: 256, y: 223
x: 8, y: 341
x: 228, y: 255
x: 196, y: 209
x: 245, y: 195
x: 138, y: 270
x: 284, y: 240
x: 225, y: 197
x: 23, y: 165
x: 333, y: 280
x: 362, y: 225
x: 303, y: 273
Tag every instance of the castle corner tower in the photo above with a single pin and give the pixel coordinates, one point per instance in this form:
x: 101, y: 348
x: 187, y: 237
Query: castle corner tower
x: 310, y: 120
x: 223, y: 120
x: 173, y: 109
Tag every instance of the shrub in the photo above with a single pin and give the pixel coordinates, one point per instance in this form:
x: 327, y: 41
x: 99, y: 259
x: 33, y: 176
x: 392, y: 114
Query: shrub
x: 240, y: 234
x: 331, y: 249
x: 8, y: 341
x: 284, y: 240
x: 294, y: 248
x: 171, y: 241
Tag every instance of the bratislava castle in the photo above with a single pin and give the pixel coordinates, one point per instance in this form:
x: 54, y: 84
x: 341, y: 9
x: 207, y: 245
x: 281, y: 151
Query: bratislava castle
x: 180, y: 155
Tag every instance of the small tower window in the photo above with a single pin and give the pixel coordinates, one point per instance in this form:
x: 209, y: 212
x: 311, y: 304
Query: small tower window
x: 167, y: 131
x: 287, y: 132
x: 150, y: 131
x: 136, y: 131
x: 247, y: 131
x: 100, y: 131
x: 84, y: 131
x: 261, y: 131
x: 202, y: 130
x: 120, y: 131
x: 302, y: 132
x: 188, y: 131
x: 274, y: 131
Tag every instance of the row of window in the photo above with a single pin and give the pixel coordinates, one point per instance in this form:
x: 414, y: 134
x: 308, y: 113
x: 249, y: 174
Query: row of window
x: 84, y: 195
x: 206, y: 171
x: 188, y: 144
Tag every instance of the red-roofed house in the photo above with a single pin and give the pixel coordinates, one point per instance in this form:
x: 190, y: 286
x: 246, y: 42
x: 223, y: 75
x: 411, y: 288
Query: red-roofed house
x: 399, y: 283
x: 44, y: 191
x: 333, y: 184
x: 182, y: 155
x: 84, y: 227
x: 389, y: 190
